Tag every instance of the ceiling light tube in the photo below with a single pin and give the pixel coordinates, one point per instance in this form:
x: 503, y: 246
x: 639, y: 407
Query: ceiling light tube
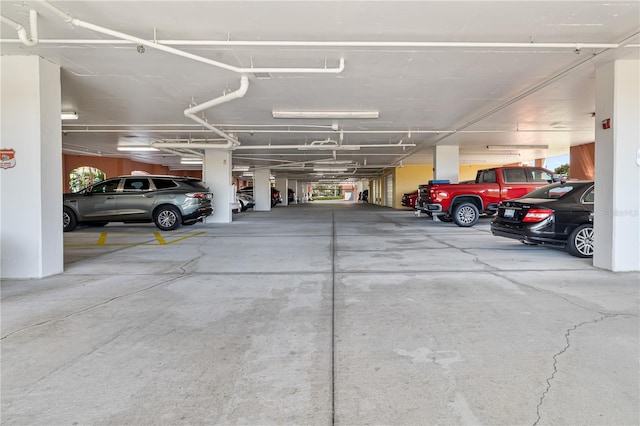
x: 136, y: 148
x: 325, y: 114
x: 329, y: 147
x: 330, y: 170
x: 69, y: 115
x: 190, y: 161
x: 512, y: 147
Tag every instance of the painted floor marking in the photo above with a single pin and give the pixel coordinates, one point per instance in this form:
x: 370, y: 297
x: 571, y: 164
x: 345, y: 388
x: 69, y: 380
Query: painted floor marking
x: 161, y: 241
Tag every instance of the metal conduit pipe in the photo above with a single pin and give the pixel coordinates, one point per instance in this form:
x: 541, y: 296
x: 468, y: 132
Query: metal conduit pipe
x: 117, y: 34
x: 22, y: 33
x: 370, y: 44
x: 194, y: 145
x: 191, y: 112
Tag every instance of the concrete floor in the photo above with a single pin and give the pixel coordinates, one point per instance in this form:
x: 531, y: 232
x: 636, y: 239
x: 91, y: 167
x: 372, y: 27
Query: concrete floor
x: 317, y: 314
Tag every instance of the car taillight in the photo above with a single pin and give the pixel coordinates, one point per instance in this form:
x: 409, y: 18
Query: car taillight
x: 537, y: 215
x: 435, y: 194
x: 196, y: 195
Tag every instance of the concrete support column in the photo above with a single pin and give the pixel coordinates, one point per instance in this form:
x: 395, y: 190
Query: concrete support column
x: 446, y: 163
x: 617, y: 170
x: 282, y: 184
x: 217, y: 176
x: 30, y: 197
x: 293, y: 184
x: 262, y: 190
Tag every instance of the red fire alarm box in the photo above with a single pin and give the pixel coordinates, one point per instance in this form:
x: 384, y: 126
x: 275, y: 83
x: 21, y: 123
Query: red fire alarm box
x: 606, y: 123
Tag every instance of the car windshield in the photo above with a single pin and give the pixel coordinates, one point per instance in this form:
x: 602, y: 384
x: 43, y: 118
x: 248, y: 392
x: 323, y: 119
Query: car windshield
x: 551, y: 192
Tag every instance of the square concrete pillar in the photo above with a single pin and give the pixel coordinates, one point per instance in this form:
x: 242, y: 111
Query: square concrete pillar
x: 617, y: 172
x: 282, y: 184
x: 446, y: 163
x: 218, y: 177
x: 30, y: 196
x: 262, y: 189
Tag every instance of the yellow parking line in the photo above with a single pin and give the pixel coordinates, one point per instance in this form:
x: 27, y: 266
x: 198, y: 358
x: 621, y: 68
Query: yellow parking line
x: 102, y: 239
x: 161, y: 240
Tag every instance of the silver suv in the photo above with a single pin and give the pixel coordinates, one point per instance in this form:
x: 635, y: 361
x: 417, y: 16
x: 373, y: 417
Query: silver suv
x: 168, y: 201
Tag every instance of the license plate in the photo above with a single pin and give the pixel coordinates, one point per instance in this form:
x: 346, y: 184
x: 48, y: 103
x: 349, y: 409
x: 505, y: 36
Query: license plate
x: 509, y: 212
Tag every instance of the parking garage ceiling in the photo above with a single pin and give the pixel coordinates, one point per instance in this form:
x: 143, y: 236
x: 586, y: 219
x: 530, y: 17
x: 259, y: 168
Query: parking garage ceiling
x: 291, y: 85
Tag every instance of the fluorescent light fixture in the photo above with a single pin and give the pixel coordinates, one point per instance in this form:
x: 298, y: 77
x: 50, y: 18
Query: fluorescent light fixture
x: 330, y: 169
x: 69, y: 115
x: 247, y: 174
x: 512, y: 147
x: 240, y: 168
x: 136, y: 148
x: 329, y: 147
x: 190, y: 161
x: 332, y: 162
x: 325, y: 114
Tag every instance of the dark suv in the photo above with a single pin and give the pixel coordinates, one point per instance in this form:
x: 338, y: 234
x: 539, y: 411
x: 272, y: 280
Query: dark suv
x: 168, y: 201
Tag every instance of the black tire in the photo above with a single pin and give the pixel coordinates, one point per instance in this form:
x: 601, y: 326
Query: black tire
x: 167, y: 218
x: 242, y: 206
x: 465, y: 214
x: 580, y: 242
x: 69, y: 220
x: 445, y: 218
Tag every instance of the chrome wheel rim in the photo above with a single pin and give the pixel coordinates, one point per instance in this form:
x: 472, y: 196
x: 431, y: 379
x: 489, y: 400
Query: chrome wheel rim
x: 167, y: 218
x: 584, y: 242
x: 466, y: 215
x: 65, y: 219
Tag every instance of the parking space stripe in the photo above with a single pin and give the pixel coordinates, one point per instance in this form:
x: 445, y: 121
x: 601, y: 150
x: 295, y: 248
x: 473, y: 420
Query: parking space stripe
x: 161, y: 240
x: 102, y: 239
x: 158, y: 237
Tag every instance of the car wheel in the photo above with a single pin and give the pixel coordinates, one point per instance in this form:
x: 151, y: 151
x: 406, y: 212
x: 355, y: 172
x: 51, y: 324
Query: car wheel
x: 242, y: 206
x: 580, y: 241
x: 465, y: 214
x: 69, y: 220
x: 167, y: 218
x: 445, y: 218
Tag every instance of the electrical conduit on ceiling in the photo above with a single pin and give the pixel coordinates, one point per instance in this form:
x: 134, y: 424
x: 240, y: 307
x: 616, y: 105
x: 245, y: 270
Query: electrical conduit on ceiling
x: 22, y: 33
x: 191, y: 113
x: 153, y: 44
x: 232, y: 142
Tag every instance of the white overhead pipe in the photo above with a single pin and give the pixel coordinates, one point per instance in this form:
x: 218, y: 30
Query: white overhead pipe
x: 153, y: 44
x: 371, y: 44
x: 22, y: 33
x: 191, y: 112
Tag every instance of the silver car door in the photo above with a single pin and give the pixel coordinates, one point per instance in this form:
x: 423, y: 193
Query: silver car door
x: 135, y: 201
x: 98, y: 201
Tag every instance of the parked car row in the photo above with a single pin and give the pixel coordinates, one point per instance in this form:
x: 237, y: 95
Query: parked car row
x: 167, y: 201
x: 558, y: 214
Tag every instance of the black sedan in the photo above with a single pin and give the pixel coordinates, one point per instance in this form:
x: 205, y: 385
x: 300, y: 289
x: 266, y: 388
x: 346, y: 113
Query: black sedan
x: 560, y: 214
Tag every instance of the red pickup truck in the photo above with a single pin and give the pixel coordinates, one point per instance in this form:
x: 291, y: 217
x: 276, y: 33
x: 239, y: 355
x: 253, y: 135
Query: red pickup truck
x: 463, y: 203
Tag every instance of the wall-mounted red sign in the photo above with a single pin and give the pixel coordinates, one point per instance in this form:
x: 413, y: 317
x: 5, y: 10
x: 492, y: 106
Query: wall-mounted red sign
x: 7, y: 158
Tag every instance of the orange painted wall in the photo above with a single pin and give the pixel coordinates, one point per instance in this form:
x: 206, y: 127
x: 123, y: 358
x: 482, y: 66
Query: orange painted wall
x: 116, y: 167
x: 582, y: 161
